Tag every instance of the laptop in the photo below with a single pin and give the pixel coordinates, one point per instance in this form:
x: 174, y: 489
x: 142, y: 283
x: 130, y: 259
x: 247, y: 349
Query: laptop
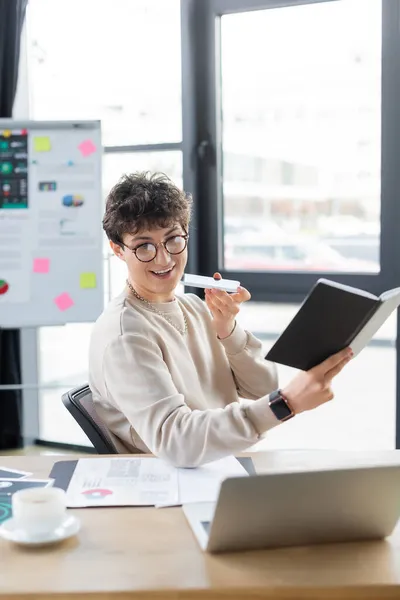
x: 299, y: 508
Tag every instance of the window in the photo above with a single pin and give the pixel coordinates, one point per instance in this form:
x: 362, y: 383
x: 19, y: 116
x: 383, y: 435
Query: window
x: 107, y: 68
x: 301, y: 131
x: 99, y: 60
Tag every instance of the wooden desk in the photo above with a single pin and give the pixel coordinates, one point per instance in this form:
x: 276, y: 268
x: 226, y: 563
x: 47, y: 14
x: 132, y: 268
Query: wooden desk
x: 151, y: 553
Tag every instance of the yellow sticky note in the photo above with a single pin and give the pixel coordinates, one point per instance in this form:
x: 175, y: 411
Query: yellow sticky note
x: 88, y: 280
x: 41, y: 144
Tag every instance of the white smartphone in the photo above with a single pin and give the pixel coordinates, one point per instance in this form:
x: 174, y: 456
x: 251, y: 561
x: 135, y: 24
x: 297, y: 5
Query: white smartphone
x: 229, y: 285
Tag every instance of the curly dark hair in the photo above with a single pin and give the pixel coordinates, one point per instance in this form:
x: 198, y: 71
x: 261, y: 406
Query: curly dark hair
x: 144, y: 200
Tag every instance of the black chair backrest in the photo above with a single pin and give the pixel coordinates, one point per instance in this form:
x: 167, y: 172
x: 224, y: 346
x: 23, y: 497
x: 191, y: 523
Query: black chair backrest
x: 79, y: 403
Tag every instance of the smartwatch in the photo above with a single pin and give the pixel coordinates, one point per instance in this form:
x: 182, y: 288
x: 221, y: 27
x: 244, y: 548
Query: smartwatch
x: 280, y: 406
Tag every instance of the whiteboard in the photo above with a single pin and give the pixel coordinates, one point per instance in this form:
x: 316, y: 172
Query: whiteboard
x: 51, y: 265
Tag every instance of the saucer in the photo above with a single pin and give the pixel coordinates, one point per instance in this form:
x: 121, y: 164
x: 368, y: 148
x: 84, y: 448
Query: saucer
x: 70, y: 526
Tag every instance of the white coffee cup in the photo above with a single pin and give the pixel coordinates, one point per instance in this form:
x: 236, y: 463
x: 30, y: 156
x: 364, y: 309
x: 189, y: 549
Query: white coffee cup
x: 39, y: 511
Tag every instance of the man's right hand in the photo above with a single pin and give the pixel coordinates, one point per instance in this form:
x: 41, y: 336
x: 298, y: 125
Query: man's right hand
x: 312, y: 388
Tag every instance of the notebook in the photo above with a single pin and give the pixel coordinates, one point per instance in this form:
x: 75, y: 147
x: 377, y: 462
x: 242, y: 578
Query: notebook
x: 332, y: 317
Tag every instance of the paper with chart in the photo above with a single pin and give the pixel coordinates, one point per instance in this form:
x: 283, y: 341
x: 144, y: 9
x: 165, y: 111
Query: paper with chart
x: 147, y: 481
x: 122, y: 482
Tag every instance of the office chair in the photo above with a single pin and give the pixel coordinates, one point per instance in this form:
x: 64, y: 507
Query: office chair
x: 79, y: 403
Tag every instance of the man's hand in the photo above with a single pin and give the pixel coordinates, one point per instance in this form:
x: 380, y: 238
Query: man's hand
x: 224, y: 307
x: 312, y: 388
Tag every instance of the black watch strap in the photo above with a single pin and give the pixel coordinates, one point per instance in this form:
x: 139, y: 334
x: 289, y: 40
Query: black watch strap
x: 280, y: 406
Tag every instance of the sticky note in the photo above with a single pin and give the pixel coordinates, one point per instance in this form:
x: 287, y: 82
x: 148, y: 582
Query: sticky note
x: 87, y: 148
x: 41, y: 265
x: 87, y: 280
x: 64, y: 301
x: 41, y: 144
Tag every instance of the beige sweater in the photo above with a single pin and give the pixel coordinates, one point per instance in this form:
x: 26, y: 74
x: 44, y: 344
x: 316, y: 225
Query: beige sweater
x: 178, y: 396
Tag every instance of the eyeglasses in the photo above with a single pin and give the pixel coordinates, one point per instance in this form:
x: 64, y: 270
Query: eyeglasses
x: 148, y: 251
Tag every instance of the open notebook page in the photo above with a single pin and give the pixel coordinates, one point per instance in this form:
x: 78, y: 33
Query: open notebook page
x: 389, y: 302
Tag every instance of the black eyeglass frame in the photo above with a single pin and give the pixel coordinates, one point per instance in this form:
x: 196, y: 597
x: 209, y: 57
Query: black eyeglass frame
x: 156, y: 246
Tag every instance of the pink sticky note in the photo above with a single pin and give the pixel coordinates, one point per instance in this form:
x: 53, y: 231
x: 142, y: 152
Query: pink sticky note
x: 64, y: 301
x: 87, y: 147
x: 41, y: 265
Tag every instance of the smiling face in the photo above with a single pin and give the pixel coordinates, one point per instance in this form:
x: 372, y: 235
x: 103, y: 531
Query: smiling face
x: 156, y: 279
x: 146, y: 212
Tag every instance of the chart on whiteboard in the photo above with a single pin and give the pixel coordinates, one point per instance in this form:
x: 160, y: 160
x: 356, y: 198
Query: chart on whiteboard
x: 49, y: 210
x: 14, y: 216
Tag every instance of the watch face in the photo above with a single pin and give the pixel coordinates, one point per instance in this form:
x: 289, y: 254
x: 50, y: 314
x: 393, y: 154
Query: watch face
x: 281, y: 409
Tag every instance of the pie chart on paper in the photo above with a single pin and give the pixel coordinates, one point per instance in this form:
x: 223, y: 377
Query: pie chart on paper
x: 4, y: 287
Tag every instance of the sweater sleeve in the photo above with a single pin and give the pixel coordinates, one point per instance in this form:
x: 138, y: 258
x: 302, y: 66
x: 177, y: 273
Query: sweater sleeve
x: 255, y: 377
x: 139, y: 383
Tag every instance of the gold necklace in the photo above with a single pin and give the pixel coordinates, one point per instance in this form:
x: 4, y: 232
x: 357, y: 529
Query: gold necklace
x: 158, y: 312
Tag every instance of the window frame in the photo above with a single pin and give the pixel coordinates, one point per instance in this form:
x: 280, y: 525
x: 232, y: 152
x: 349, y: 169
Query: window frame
x: 30, y: 352
x: 292, y: 286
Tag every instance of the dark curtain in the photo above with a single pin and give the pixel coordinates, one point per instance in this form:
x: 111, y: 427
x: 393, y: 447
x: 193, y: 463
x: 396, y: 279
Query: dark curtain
x: 12, y: 14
